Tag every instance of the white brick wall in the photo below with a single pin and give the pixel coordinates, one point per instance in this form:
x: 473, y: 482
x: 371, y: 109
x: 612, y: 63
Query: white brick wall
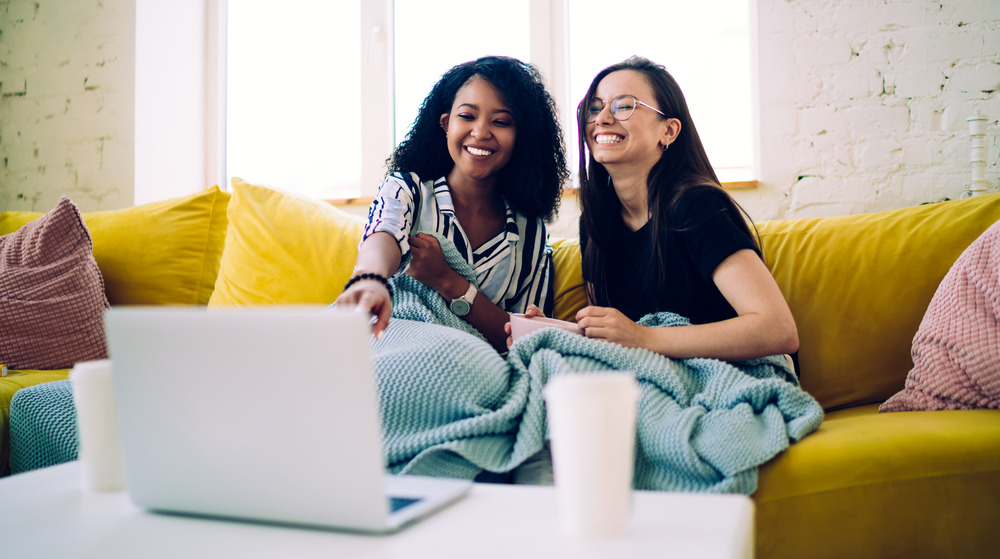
x: 862, y: 103
x: 66, y: 103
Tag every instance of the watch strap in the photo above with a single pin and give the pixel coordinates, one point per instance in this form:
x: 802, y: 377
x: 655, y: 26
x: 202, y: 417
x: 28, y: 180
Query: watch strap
x: 470, y: 293
x: 462, y: 305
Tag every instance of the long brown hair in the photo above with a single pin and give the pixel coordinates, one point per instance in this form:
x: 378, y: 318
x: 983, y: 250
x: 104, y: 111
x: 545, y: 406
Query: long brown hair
x: 683, y: 166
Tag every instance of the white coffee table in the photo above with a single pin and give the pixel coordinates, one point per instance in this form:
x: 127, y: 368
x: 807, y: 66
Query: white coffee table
x: 46, y: 514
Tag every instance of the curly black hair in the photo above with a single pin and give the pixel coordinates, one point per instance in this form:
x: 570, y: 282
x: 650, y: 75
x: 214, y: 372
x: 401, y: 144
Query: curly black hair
x: 532, y: 180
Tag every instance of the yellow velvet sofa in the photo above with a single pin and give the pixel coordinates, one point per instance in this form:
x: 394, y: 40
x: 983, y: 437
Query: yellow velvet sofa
x: 912, y: 484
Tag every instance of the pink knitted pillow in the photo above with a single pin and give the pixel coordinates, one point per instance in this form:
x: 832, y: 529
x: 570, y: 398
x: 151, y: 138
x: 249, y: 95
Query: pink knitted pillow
x: 956, y: 352
x: 52, y: 297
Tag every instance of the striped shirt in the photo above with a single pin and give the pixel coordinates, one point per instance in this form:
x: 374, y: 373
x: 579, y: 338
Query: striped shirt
x: 514, y: 268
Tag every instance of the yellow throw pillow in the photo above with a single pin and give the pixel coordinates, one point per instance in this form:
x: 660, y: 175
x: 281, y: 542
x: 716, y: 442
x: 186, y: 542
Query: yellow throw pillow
x: 284, y: 249
x: 162, y: 253
x: 570, y: 294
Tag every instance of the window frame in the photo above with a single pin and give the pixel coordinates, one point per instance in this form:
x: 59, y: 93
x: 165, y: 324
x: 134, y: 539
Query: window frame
x: 548, y: 35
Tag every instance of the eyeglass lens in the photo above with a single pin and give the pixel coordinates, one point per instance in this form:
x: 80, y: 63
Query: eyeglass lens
x: 621, y: 108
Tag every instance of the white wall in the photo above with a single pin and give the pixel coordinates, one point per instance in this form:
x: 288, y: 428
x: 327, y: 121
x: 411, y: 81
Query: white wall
x: 66, y: 103
x: 862, y: 103
x: 103, y: 101
x: 170, y: 99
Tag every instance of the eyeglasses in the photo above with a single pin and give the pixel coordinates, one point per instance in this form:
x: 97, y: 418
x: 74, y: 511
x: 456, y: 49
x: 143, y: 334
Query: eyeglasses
x: 622, y: 108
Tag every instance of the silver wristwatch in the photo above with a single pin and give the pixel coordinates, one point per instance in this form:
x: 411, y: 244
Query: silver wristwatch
x: 463, y: 304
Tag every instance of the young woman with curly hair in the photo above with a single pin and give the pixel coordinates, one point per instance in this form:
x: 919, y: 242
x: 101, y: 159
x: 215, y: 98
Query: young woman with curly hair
x: 483, y: 165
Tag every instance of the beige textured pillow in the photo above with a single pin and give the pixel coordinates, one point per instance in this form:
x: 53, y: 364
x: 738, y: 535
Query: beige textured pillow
x: 956, y: 351
x: 52, y: 298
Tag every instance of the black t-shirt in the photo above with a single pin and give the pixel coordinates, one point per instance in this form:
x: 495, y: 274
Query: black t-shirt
x: 704, y: 230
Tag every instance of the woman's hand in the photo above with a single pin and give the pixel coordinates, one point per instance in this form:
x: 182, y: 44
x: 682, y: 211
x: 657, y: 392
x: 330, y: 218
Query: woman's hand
x: 369, y: 296
x: 428, y: 265
x: 606, y: 323
x: 763, y: 326
x: 379, y: 254
x: 531, y: 311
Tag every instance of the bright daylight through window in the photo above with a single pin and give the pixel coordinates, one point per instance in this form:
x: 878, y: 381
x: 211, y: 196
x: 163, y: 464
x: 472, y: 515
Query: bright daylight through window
x: 293, y: 95
x: 704, y: 45
x: 423, y: 54
x: 294, y: 75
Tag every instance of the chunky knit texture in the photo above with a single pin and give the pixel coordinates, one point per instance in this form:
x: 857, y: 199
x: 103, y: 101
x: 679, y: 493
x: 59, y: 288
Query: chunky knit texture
x: 52, y: 299
x: 454, y: 407
x: 956, y: 351
x: 43, y: 427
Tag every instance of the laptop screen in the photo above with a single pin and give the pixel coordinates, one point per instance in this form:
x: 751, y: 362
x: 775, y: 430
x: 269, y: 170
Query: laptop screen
x: 398, y: 503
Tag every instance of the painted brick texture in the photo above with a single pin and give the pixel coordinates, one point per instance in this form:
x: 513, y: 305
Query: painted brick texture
x: 66, y: 103
x: 863, y: 103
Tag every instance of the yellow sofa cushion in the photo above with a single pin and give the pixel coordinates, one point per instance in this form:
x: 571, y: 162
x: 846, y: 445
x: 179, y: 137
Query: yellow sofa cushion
x: 162, y: 253
x: 859, y: 285
x: 570, y: 294
x: 284, y: 249
x: 909, y: 484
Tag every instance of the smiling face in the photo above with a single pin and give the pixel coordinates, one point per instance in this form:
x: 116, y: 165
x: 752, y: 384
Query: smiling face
x: 481, y: 132
x: 637, y: 141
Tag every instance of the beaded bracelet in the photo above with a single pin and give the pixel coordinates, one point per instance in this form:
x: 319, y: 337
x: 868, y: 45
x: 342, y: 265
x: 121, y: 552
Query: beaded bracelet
x: 365, y: 276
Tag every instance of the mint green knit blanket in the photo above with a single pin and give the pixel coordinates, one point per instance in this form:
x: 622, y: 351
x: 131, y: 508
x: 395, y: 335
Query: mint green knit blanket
x: 452, y: 406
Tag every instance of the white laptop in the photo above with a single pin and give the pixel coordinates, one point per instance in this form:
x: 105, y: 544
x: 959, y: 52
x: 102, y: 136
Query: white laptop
x: 264, y: 414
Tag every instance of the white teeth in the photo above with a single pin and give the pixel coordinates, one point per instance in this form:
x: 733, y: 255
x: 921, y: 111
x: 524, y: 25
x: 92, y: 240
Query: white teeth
x: 477, y: 151
x: 608, y: 139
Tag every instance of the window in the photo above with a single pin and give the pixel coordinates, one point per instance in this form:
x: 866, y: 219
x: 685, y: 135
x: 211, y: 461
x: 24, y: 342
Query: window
x: 704, y: 45
x: 431, y: 36
x: 293, y: 110
x: 319, y: 92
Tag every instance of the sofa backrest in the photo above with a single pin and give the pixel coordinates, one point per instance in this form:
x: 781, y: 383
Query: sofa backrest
x: 857, y: 285
x: 161, y: 253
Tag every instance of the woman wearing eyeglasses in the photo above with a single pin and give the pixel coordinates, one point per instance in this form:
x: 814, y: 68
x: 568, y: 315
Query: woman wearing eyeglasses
x: 658, y: 233
x: 483, y: 165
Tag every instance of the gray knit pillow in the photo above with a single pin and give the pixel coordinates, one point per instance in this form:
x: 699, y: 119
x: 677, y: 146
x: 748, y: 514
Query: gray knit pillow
x: 52, y: 299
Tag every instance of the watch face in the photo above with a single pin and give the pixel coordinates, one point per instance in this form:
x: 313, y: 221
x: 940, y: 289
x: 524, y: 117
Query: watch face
x: 460, y: 307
